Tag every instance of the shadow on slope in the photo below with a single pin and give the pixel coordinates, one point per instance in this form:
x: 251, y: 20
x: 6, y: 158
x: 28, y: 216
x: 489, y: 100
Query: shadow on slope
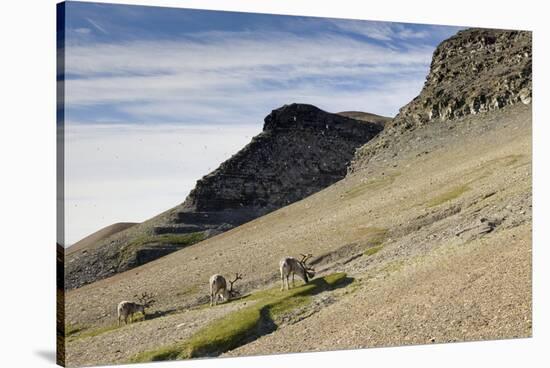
x: 246, y: 324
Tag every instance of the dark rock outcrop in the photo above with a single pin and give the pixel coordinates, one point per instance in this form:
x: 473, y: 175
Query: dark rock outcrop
x: 475, y: 71
x: 301, y: 150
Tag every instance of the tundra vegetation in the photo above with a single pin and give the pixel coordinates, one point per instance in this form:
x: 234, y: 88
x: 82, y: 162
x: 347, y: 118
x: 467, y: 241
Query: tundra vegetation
x: 244, y: 324
x: 426, y: 239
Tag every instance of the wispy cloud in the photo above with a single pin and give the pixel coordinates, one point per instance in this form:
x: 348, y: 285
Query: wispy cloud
x: 231, y: 72
x: 97, y: 26
x: 82, y: 30
x: 382, y: 31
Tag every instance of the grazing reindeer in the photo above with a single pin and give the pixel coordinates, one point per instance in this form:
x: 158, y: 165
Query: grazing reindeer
x: 218, y: 288
x: 291, y: 266
x: 126, y: 310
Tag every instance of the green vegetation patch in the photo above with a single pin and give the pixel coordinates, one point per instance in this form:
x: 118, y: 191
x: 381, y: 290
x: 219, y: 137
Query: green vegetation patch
x: 373, y: 250
x: 181, y: 240
x: 239, y: 327
x: 83, y: 333
x: 448, y: 196
x: 490, y: 167
x: 368, y: 236
x: 73, y: 329
x: 188, y: 291
x: 374, y: 236
x: 373, y: 184
x: 175, y: 239
x: 504, y: 161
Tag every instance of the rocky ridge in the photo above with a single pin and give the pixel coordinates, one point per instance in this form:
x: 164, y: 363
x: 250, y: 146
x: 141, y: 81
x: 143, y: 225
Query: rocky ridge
x: 473, y: 72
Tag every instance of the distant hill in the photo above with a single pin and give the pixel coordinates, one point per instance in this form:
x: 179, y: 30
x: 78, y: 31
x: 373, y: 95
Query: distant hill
x: 366, y: 116
x: 99, y: 235
x: 301, y: 150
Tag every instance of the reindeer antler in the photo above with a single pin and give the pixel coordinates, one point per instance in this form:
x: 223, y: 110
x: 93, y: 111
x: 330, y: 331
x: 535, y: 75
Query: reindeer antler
x: 238, y: 276
x: 146, y: 299
x: 305, y: 257
x: 303, y: 261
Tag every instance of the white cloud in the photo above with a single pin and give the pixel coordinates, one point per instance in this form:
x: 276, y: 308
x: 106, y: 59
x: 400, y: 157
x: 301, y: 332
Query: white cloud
x: 381, y: 31
x: 238, y: 51
x: 83, y: 31
x: 226, y: 74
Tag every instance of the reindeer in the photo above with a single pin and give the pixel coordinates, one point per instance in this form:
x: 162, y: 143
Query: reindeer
x: 126, y: 309
x: 291, y: 266
x: 218, y: 287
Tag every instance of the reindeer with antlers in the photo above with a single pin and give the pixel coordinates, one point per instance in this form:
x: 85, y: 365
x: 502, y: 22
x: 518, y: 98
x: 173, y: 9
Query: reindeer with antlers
x: 126, y: 309
x: 291, y: 266
x: 218, y: 288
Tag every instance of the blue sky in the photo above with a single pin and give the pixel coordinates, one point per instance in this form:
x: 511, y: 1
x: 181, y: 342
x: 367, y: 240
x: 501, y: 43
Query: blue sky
x: 157, y: 97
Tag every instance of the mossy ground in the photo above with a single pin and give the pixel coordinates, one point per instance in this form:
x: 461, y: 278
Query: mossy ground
x: 178, y: 239
x: 245, y: 324
x: 181, y: 240
x: 75, y: 332
x: 484, y: 171
x: 82, y: 332
x: 448, y: 195
x: 73, y: 329
x: 188, y: 291
x: 375, y: 236
x: 373, y: 184
x: 373, y: 250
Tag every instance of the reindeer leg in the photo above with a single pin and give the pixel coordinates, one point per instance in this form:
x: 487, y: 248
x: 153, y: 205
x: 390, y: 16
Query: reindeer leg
x: 293, y: 280
x: 211, y: 299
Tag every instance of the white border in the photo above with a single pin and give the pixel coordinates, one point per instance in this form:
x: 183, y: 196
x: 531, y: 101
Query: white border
x: 27, y: 207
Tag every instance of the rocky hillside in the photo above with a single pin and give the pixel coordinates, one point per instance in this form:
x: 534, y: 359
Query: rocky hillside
x: 437, y: 246
x: 475, y: 71
x: 429, y: 237
x: 300, y: 151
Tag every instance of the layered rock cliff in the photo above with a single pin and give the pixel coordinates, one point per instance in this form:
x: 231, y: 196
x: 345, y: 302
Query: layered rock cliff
x: 300, y: 151
x: 475, y: 71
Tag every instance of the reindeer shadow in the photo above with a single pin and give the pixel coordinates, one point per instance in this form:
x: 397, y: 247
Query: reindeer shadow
x: 267, y: 324
x: 322, y: 285
x: 159, y: 313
